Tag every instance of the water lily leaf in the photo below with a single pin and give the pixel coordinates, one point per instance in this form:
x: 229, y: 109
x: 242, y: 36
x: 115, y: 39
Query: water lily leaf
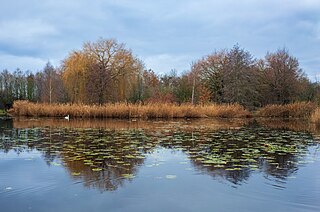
x: 75, y: 173
x: 128, y: 176
x: 96, y: 169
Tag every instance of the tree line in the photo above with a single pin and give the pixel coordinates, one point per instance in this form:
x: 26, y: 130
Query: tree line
x: 106, y: 71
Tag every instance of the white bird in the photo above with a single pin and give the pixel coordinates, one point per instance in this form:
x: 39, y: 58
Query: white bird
x: 67, y: 117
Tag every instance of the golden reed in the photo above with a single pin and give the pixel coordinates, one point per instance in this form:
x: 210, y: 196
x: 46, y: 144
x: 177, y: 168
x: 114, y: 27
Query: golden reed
x: 315, y: 117
x: 123, y: 110
x: 294, y: 110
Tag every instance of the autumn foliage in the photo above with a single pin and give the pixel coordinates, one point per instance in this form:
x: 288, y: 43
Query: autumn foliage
x: 106, y: 72
x: 104, y: 68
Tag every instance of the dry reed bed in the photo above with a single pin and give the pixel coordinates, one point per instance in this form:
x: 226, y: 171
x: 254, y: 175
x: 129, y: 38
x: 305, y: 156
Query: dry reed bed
x: 122, y: 110
x: 315, y: 117
x: 294, y: 110
x: 162, y: 110
x: 194, y: 124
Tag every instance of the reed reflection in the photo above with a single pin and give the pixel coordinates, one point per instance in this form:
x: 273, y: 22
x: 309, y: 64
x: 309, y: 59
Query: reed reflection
x: 104, y: 157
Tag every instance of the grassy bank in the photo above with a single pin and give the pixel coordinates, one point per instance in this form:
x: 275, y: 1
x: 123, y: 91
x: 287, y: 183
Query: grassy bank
x: 122, y: 110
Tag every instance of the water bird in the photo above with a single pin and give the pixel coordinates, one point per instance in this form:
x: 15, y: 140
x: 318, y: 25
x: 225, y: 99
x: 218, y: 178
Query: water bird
x: 67, y: 117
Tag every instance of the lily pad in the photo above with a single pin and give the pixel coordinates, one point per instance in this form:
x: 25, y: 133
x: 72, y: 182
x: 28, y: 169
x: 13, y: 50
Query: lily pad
x: 128, y: 176
x: 75, y: 173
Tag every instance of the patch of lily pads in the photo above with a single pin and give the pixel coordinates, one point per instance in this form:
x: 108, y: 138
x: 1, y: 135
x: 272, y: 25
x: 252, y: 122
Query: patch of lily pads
x: 114, y: 155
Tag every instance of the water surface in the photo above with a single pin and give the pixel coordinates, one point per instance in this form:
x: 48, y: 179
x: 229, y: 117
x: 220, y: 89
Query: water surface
x: 200, y: 165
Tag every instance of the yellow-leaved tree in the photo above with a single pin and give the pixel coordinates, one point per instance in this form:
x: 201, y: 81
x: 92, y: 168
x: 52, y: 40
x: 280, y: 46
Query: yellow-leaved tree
x: 103, y: 71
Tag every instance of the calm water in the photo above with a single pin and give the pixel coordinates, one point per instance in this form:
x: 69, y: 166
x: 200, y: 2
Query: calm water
x: 202, y: 165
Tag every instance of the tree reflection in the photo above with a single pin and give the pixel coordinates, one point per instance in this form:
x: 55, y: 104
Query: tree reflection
x: 105, y: 158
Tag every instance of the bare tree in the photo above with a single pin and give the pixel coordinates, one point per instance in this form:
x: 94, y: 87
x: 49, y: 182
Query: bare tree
x: 283, y: 75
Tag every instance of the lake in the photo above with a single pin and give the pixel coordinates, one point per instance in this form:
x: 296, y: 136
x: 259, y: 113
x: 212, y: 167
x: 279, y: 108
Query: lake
x: 177, y: 165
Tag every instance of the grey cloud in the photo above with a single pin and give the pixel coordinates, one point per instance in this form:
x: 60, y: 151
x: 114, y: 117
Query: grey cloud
x: 166, y: 34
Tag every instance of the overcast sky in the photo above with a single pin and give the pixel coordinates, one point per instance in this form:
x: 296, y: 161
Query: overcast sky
x: 165, y: 34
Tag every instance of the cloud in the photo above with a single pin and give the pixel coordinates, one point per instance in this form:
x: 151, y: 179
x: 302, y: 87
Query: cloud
x: 167, y: 34
x: 164, y: 63
x: 22, y: 31
x: 26, y: 37
x: 317, y: 31
x: 12, y: 62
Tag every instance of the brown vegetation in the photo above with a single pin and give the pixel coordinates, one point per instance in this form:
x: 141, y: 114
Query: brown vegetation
x: 125, y: 124
x: 163, y: 110
x: 123, y: 110
x: 105, y: 68
x: 105, y: 72
x: 223, y: 84
x: 315, y: 117
x: 294, y: 110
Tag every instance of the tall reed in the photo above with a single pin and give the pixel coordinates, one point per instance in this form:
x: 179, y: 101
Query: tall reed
x: 294, y: 110
x: 315, y: 117
x: 123, y: 110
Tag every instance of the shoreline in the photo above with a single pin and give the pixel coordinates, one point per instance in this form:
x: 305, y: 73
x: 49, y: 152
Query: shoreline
x: 305, y: 110
x: 128, y: 111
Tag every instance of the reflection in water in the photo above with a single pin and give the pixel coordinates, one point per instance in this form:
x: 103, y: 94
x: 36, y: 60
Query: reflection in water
x: 105, y: 154
x: 129, y: 124
x: 286, y: 124
x: 234, y: 154
x: 102, y: 158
